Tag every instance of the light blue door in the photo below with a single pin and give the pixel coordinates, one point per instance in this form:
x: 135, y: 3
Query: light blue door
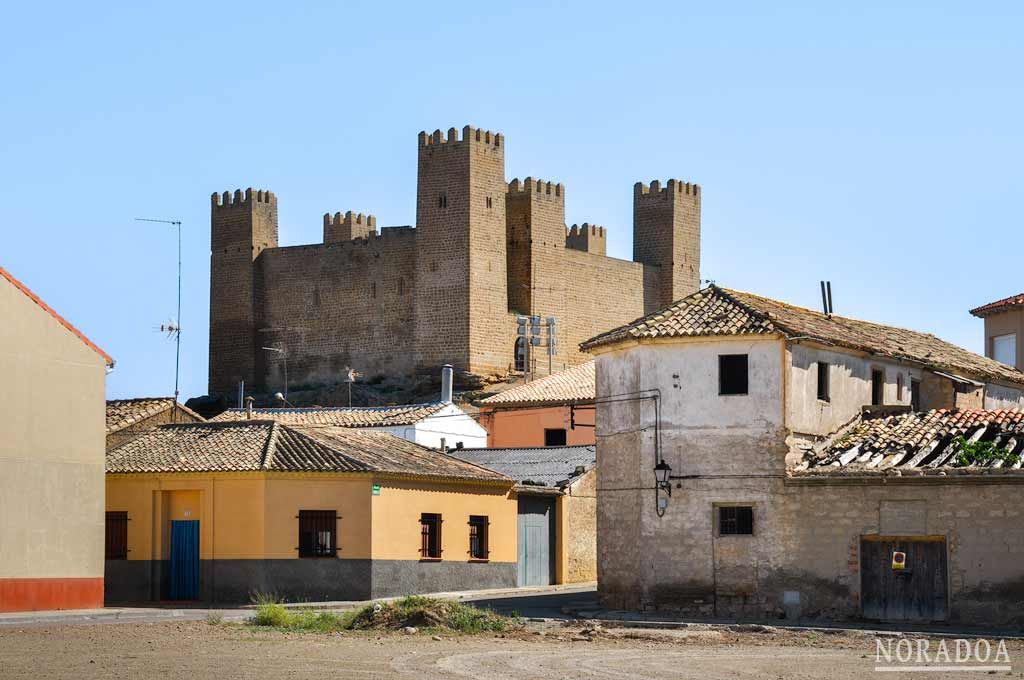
x: 536, y: 537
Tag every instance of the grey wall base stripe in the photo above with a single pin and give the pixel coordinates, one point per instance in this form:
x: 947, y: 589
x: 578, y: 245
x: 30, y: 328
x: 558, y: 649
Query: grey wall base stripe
x: 305, y: 580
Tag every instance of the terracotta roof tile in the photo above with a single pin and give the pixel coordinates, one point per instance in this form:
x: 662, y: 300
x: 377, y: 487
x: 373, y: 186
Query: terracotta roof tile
x: 341, y: 416
x: 571, y: 385
x: 715, y: 311
x: 998, y: 306
x: 122, y: 413
x: 918, y: 441
x: 52, y: 312
x: 256, y: 445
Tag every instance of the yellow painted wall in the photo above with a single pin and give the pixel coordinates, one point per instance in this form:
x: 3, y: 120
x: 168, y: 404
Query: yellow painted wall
x: 51, y: 445
x: 255, y: 514
x: 396, y: 519
x: 349, y: 496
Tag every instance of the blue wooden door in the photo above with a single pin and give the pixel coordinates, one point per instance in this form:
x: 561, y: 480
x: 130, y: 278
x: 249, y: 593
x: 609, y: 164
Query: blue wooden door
x: 184, y: 560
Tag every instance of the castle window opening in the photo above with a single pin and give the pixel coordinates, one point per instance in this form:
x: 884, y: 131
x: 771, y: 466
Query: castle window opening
x: 489, y: 203
x: 401, y: 286
x: 373, y: 289
x: 442, y: 200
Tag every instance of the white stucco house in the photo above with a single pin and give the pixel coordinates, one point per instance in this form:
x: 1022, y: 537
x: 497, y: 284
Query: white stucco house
x: 436, y: 424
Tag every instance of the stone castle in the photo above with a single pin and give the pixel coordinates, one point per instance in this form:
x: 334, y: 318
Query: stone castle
x: 409, y: 299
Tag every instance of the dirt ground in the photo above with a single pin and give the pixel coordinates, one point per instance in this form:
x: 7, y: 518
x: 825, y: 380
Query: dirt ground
x: 196, y: 649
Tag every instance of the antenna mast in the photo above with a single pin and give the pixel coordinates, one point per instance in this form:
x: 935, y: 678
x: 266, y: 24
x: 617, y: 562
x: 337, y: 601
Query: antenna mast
x: 173, y: 328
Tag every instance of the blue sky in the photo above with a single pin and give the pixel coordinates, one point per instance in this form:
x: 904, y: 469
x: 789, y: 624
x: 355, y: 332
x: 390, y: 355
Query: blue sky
x: 878, y: 147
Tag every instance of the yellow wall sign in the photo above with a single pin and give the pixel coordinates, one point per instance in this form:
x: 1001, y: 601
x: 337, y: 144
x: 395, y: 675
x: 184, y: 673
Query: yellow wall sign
x: 899, y: 560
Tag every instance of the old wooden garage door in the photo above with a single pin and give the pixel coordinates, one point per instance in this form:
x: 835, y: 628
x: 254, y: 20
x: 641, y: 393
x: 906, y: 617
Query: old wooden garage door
x: 536, y: 540
x: 914, y: 593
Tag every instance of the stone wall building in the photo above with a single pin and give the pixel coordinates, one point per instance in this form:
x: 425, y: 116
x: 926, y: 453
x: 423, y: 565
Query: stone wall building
x: 403, y: 299
x: 799, y: 476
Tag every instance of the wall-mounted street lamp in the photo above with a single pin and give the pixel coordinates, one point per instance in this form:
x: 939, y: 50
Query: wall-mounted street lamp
x: 662, y: 476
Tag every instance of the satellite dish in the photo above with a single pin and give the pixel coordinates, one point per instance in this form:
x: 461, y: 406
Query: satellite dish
x: 279, y: 396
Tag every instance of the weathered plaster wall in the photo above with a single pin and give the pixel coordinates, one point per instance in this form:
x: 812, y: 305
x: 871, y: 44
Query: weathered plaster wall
x: 579, y: 507
x: 1000, y: 396
x: 1002, y: 324
x: 850, y: 387
x: 737, y: 438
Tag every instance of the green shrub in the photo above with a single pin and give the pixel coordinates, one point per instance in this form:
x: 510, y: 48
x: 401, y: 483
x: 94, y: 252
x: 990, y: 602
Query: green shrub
x: 983, y: 453
x: 272, y: 614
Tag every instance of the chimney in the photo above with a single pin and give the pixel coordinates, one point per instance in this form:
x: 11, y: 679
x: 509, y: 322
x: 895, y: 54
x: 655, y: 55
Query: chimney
x: 248, y: 408
x: 446, y: 383
x: 444, y: 446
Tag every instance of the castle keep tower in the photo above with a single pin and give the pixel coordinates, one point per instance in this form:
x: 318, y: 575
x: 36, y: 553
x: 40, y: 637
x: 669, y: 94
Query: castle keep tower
x: 666, y: 234
x: 461, y: 292
x: 241, y: 227
x: 536, y: 241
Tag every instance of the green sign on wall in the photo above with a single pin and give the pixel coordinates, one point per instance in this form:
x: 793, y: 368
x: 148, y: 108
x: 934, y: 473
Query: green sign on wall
x: 376, y: 489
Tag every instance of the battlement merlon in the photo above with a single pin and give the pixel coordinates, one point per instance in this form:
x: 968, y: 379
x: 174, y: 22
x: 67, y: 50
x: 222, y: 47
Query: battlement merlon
x: 349, y: 226
x: 239, y: 199
x: 536, y: 187
x: 469, y: 134
x: 673, y: 187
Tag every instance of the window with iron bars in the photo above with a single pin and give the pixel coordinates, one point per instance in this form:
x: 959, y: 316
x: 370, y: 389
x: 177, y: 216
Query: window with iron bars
x: 318, y: 533
x: 117, y: 535
x: 735, y: 520
x: 478, y: 549
x: 430, y: 536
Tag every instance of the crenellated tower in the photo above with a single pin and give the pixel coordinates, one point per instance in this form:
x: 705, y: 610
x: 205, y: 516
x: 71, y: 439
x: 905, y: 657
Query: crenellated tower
x: 242, y: 225
x: 461, y: 288
x: 588, y: 238
x: 535, y: 234
x: 666, y: 234
x: 339, y: 228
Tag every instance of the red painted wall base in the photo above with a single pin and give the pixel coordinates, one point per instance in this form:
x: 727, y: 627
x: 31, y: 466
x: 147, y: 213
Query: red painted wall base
x: 33, y: 594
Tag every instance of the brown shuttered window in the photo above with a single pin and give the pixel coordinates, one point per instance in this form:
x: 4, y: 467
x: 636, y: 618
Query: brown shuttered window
x: 318, y: 533
x: 478, y: 549
x: 430, y: 536
x: 117, y: 535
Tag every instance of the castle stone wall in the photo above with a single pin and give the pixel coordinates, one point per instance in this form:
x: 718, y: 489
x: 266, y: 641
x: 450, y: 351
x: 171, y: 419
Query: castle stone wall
x: 445, y: 292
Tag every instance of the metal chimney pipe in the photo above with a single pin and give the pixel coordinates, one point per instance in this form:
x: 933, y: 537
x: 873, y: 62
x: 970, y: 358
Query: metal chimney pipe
x: 446, y: 383
x: 248, y: 408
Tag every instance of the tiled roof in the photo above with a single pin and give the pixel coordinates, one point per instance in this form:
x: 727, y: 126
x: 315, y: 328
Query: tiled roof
x: 52, y: 312
x: 542, y: 466
x: 355, y: 416
x: 571, y: 385
x: 715, y: 311
x: 261, y: 445
x: 998, y: 306
x: 920, y: 442
x: 122, y: 413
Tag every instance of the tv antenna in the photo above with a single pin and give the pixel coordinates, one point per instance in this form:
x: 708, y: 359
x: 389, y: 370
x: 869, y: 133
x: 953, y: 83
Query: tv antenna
x: 173, y: 328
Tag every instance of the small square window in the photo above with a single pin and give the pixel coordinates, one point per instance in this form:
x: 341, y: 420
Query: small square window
x: 732, y: 374
x: 318, y: 532
x: 554, y: 437
x: 823, y: 380
x: 735, y: 520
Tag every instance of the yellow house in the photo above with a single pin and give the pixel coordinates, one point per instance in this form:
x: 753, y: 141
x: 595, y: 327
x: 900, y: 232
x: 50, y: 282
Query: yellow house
x: 222, y: 511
